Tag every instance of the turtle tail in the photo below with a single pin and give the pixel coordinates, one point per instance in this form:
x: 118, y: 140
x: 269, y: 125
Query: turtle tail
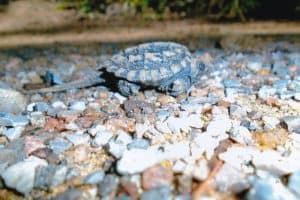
x: 72, y: 85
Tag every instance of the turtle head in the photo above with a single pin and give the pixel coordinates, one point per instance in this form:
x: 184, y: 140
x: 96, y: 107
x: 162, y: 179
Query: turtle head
x: 197, y: 67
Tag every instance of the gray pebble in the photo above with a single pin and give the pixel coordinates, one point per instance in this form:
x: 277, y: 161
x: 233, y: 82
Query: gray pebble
x: 292, y: 123
x: 102, y: 138
x: 59, y: 145
x: 163, y: 193
x: 38, y: 106
x: 78, y: 106
x: 77, y: 139
x: 13, y: 133
x: 12, y: 101
x: 50, y: 176
x: 230, y: 83
x: 8, y: 119
x: 138, y: 144
x: 108, y: 185
x: 237, y: 111
x: 95, y: 177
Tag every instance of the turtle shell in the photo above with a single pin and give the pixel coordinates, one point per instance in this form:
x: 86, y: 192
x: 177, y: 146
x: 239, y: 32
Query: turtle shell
x: 150, y: 63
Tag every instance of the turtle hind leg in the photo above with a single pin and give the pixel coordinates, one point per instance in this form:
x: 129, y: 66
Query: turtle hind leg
x: 127, y: 88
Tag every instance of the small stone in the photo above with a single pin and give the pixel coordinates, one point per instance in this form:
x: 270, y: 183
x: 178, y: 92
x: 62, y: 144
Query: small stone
x: 37, y: 119
x: 121, y: 98
x: 31, y: 144
x: 47, y: 154
x: 20, y: 176
x: 165, y: 100
x: 270, y: 122
x: 59, y: 105
x: 200, y: 170
x: 119, y: 145
x: 267, y: 186
x: 241, y: 135
x: 70, y: 194
x: 292, y: 123
x: 254, y: 66
x: 12, y: 101
x: 94, y: 178
x: 13, y: 133
x: 138, y: 144
x: 185, y: 183
x: 108, y: 186
x: 162, y: 115
x: 8, y: 119
x: 102, y: 138
x: 141, y: 129
x: 230, y: 179
x: 230, y: 83
x: 237, y: 111
x: 97, y: 128
x: 156, y: 176
x: 77, y: 139
x: 78, y: 106
x: 81, y: 153
x: 55, y: 124
x: 38, y: 107
x: 265, y: 92
x: 163, y: 193
x: 162, y: 127
x: 294, y: 183
x: 59, y: 145
x: 130, y: 187
x: 50, y: 176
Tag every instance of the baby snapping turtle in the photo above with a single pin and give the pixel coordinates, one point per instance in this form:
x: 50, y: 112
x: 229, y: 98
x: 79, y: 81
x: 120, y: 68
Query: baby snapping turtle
x: 166, y: 66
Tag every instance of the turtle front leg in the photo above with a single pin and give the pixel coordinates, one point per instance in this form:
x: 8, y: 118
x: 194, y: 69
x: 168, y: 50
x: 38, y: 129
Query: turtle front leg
x: 127, y: 88
x: 177, y: 86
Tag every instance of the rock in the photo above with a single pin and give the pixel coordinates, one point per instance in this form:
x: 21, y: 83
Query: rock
x: 270, y: 122
x: 133, y: 161
x: 31, y: 144
x: 130, y: 185
x: 37, y: 119
x: 8, y: 119
x: 38, y: 107
x: 241, y: 135
x: 254, y: 66
x: 95, y: 129
x: 141, y: 129
x: 71, y: 194
x: 50, y: 176
x: 231, y: 179
x: 20, y: 176
x: 292, y: 123
x: 266, y: 187
x: 265, y: 92
x: 163, y: 193
x: 58, y: 105
x: 165, y: 100
x: 12, y: 101
x: 77, y: 138
x: 237, y: 111
x: 53, y: 78
x: 108, y: 186
x: 230, y: 83
x: 95, y: 177
x: 294, y: 183
x: 59, y: 145
x: 119, y: 145
x: 138, y: 144
x: 219, y: 126
x: 102, y: 138
x: 162, y: 115
x: 156, y: 176
x: 78, y: 106
x: 297, y: 96
x: 13, y: 133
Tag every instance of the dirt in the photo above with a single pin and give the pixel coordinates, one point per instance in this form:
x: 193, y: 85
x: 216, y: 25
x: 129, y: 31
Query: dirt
x: 39, y: 22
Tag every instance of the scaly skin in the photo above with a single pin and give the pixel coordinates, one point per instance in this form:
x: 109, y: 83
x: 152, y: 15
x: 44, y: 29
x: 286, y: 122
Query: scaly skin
x: 67, y: 86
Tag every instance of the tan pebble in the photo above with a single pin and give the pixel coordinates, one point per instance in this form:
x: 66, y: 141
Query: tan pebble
x: 165, y: 100
x: 156, y: 176
x: 80, y: 153
x: 130, y: 188
x: 224, y: 103
x: 273, y: 101
x: 199, y: 92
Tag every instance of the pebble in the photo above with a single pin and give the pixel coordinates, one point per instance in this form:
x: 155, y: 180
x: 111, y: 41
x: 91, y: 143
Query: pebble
x: 266, y: 187
x: 20, y: 176
x: 102, y: 138
x: 237, y: 111
x: 292, y: 123
x: 241, y: 135
x: 133, y: 161
x: 8, y: 119
x: 78, y: 106
x: 138, y: 144
x: 13, y: 133
x: 59, y: 145
x: 270, y: 122
x: 119, y: 145
x: 108, y: 186
x: 297, y: 96
x: 12, y: 101
x: 265, y: 92
x: 163, y: 193
x: 156, y: 176
x: 77, y: 138
x: 59, y: 105
x: 95, y: 177
x: 294, y: 183
x: 37, y: 119
x: 38, y: 107
x: 231, y: 179
x: 50, y: 176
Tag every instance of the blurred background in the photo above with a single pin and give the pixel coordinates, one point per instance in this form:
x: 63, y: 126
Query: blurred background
x: 25, y: 22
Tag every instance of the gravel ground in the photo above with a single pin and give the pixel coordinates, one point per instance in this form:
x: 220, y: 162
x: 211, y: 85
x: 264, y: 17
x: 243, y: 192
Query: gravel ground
x: 235, y: 135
